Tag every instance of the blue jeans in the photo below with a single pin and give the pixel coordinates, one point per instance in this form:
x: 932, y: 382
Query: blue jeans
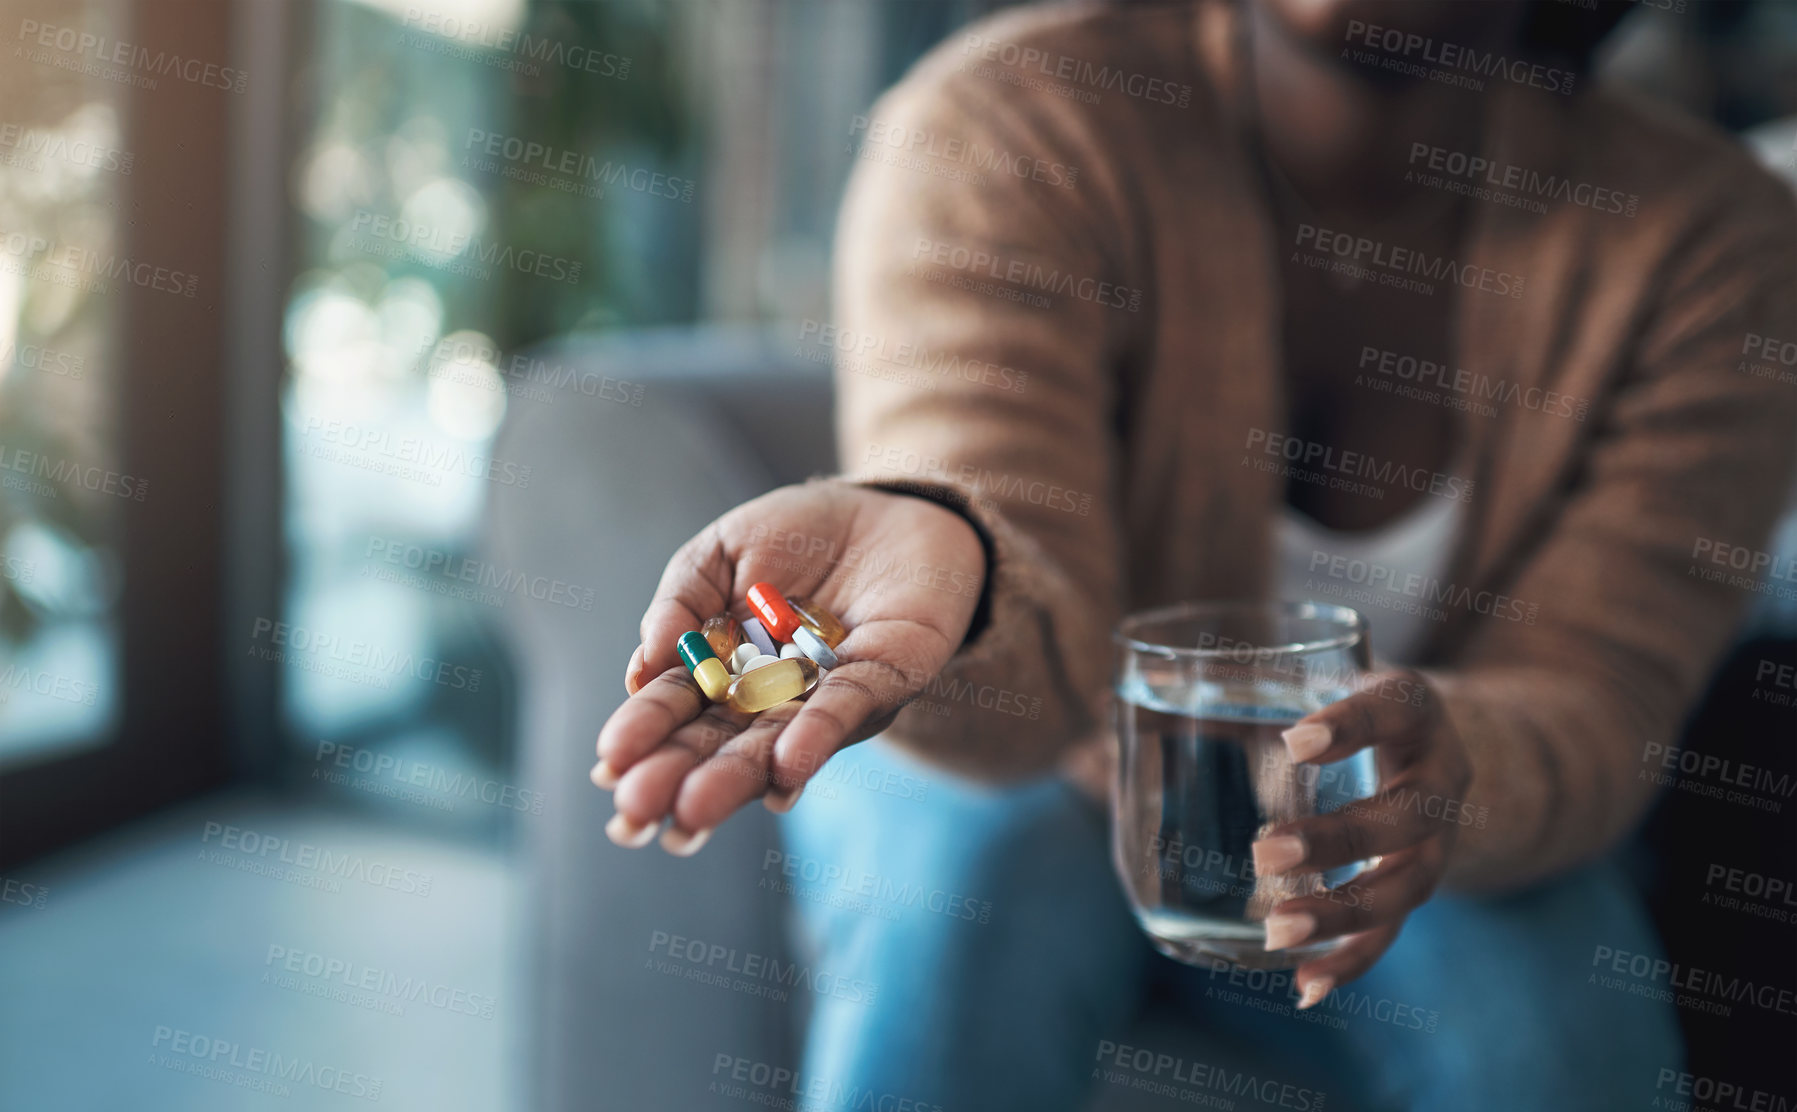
x: 1005, y: 971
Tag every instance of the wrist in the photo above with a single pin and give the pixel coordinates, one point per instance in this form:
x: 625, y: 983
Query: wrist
x: 956, y: 502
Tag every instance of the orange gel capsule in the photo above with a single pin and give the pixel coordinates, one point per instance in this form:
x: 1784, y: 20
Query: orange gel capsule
x: 818, y: 620
x: 723, y: 633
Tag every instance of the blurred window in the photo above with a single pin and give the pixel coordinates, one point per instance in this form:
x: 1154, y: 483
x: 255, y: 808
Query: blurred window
x: 63, y: 484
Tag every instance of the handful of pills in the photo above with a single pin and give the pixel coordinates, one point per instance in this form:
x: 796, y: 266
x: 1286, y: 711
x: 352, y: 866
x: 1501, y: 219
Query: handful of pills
x: 775, y: 656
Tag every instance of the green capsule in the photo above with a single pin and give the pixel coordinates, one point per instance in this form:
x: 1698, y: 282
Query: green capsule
x: 693, y: 648
x: 695, y: 652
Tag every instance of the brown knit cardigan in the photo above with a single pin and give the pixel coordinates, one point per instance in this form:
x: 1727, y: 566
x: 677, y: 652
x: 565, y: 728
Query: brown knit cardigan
x: 1058, y: 278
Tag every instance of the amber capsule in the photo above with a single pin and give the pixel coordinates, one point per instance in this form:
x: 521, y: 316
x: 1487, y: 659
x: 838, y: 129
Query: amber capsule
x: 708, y: 671
x: 723, y: 633
x: 773, y: 610
x: 770, y: 685
x: 818, y: 620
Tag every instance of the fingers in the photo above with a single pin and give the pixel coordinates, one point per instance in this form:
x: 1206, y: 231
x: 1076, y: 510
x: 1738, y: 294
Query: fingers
x: 1403, y: 828
x: 854, y: 702
x: 645, y: 793
x: 1390, y: 821
x: 1376, y: 898
x: 668, y: 702
x: 702, y: 770
x: 1390, y: 709
x: 1319, y: 976
x: 695, y: 777
x: 733, y: 776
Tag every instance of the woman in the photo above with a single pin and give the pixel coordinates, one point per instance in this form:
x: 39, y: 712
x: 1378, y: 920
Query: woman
x: 1229, y: 301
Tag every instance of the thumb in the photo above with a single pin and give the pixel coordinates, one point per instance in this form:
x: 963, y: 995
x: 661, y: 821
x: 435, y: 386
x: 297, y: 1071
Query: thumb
x: 695, y: 585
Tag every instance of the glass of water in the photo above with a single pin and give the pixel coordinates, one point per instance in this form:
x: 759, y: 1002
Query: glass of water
x: 1203, y: 691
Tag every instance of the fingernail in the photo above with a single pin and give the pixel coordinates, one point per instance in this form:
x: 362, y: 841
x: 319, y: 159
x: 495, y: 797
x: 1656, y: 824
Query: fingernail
x: 1275, y: 855
x: 604, y: 775
x: 1315, y: 991
x: 781, y: 800
x: 1285, y: 930
x: 681, y: 844
x: 630, y: 835
x: 1307, y: 741
x: 633, y: 672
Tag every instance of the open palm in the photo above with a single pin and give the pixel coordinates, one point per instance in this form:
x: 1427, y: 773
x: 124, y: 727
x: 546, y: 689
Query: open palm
x: 902, y: 573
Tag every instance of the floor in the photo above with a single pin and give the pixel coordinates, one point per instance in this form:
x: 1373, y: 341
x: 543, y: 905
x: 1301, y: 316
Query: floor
x: 244, y: 953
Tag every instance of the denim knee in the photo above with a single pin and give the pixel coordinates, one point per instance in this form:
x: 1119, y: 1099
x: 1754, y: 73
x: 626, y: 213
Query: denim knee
x: 988, y: 920
x: 1526, y: 1016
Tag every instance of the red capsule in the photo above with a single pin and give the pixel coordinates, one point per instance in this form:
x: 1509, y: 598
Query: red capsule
x: 774, y: 611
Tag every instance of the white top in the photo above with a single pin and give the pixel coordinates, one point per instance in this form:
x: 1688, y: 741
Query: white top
x: 1388, y: 574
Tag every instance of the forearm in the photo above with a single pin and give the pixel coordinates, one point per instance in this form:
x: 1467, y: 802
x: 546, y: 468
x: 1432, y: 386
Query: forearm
x: 1029, y: 444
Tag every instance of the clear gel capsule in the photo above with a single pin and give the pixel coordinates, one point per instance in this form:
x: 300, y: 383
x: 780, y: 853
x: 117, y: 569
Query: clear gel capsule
x: 779, y: 682
x: 818, y: 620
x: 759, y: 637
x: 774, y: 611
x: 708, y: 671
x: 723, y: 633
x: 814, y: 647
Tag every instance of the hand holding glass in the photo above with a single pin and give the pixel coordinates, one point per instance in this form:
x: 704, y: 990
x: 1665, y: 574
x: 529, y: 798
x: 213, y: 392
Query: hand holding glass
x: 1203, y: 692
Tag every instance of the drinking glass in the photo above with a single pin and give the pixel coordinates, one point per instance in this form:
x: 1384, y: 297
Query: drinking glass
x: 1203, y: 691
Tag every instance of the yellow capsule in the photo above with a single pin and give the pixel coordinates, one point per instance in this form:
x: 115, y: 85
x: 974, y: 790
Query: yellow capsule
x: 818, y: 620
x: 723, y: 633
x: 713, y: 679
x: 770, y: 685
